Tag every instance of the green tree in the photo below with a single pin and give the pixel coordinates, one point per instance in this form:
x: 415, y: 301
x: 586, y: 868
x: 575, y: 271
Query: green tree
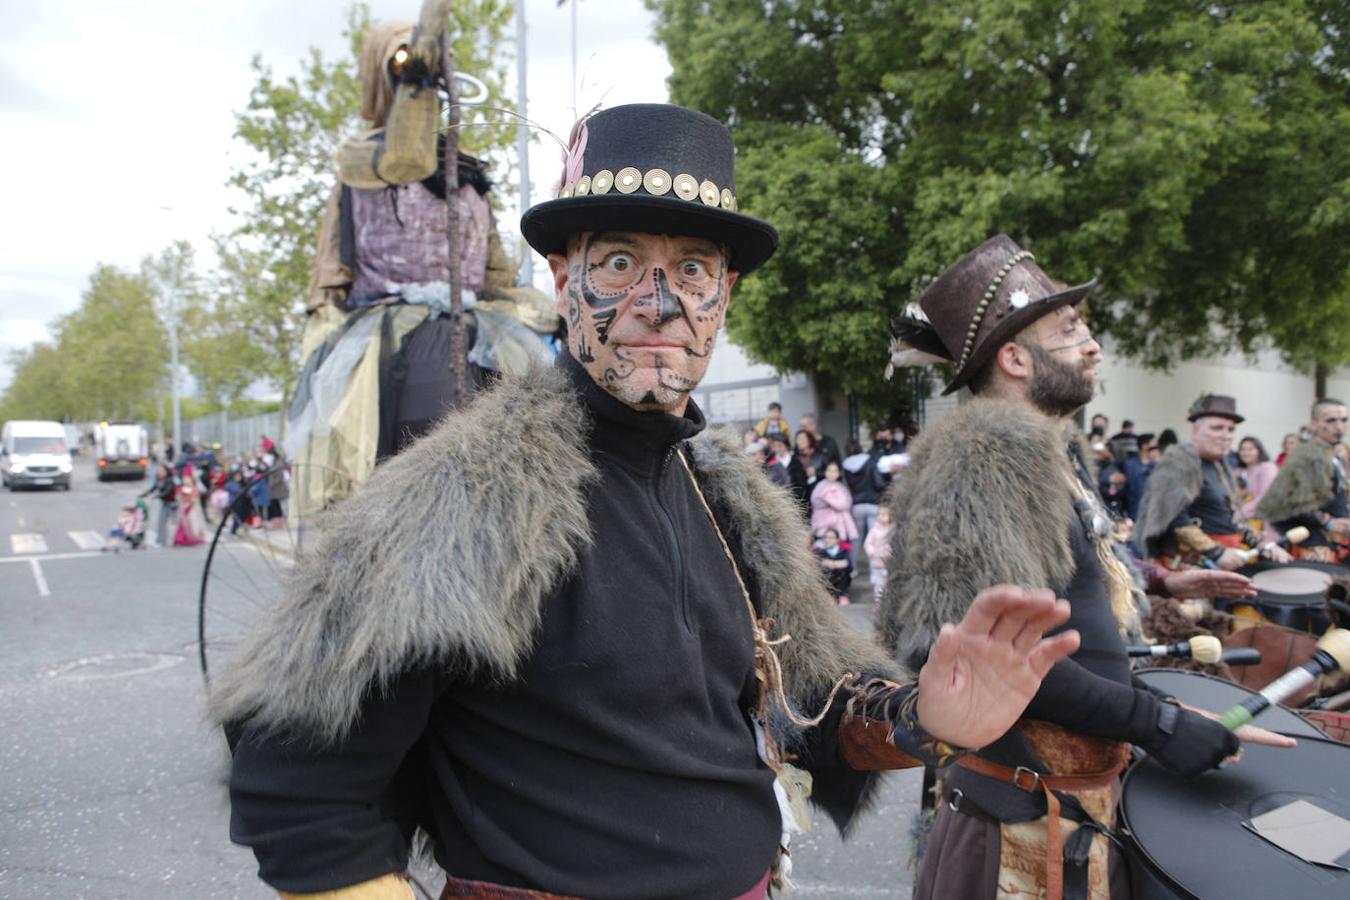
x: 1192, y: 157
x: 108, y: 358
x: 293, y: 126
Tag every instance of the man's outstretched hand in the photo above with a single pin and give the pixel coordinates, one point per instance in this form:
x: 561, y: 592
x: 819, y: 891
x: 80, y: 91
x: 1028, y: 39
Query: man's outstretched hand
x: 982, y: 673
x: 1192, y: 583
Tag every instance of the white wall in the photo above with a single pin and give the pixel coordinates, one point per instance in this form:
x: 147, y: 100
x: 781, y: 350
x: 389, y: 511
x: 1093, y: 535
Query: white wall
x: 1274, y: 398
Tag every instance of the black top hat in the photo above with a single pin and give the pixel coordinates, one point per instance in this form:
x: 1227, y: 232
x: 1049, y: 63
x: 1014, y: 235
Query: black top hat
x: 655, y: 168
x: 980, y: 303
x: 1214, y: 405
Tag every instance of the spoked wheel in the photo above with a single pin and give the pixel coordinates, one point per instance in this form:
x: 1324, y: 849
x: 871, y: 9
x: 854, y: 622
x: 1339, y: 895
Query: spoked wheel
x: 250, y: 554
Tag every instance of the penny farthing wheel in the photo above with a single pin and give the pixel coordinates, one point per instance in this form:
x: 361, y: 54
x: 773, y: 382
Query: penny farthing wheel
x: 250, y: 553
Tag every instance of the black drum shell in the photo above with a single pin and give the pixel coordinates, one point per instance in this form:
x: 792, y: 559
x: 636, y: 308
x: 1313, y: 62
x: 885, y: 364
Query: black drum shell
x: 1186, y: 839
x: 1302, y: 612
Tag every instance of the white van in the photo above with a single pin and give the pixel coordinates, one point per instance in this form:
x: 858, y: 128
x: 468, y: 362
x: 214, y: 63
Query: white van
x: 121, y: 448
x: 34, y: 453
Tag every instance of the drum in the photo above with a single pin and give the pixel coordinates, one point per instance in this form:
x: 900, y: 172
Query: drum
x: 1217, y: 694
x: 1290, y: 594
x: 1190, y: 838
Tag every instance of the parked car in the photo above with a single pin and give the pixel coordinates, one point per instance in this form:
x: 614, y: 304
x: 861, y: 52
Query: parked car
x: 34, y: 453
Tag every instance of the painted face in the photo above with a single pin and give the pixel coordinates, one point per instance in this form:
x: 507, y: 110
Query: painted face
x: 1064, y: 362
x: 643, y: 312
x: 1212, y: 436
x: 1329, y: 425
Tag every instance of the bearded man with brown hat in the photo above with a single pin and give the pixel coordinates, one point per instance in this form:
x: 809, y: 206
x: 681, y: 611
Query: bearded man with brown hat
x: 1191, y: 511
x: 583, y: 674
x: 999, y: 492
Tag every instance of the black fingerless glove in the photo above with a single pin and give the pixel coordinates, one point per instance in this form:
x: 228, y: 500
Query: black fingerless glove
x: 1189, y: 743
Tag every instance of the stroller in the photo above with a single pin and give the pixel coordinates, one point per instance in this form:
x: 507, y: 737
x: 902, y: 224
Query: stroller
x: 130, y: 528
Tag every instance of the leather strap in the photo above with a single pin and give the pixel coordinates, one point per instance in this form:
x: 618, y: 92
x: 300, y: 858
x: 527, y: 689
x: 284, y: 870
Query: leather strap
x: 1030, y: 780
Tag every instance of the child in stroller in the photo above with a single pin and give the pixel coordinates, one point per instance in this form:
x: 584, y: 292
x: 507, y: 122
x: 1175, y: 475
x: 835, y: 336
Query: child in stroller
x: 130, y: 528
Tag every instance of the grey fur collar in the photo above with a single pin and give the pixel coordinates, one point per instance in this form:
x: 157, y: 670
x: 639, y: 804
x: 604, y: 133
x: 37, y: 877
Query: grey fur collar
x: 448, y: 554
x: 1173, y: 485
x: 985, y: 500
x: 1305, y: 484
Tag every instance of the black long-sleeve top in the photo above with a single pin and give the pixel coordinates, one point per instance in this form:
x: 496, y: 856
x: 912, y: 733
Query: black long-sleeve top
x: 621, y: 763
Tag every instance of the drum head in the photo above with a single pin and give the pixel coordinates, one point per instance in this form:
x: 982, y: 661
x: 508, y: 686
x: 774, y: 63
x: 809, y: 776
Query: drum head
x: 1300, y: 583
x: 1218, y: 694
x: 1192, y: 833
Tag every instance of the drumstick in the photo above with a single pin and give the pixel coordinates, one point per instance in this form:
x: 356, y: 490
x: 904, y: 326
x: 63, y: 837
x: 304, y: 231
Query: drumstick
x: 1203, y: 648
x: 1333, y: 652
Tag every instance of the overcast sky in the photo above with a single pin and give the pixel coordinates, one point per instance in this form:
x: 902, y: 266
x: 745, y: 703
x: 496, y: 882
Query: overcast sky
x: 117, y: 120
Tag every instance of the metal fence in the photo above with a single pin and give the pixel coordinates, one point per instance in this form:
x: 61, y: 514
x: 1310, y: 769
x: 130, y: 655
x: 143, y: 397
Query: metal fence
x: 235, y: 436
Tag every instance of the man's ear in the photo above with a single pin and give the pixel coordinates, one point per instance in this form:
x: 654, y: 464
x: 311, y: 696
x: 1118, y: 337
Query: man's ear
x: 557, y: 264
x: 731, y: 281
x: 1014, y: 360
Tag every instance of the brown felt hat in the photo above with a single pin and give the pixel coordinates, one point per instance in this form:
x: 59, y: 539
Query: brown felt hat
x: 1214, y: 405
x: 986, y: 298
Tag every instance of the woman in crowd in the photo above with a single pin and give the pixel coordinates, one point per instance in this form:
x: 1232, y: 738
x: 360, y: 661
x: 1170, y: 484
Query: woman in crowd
x: 1286, y: 447
x: 832, y: 505
x: 191, y: 523
x: 1255, y: 472
x: 837, y: 563
x: 810, y: 456
x: 165, y: 490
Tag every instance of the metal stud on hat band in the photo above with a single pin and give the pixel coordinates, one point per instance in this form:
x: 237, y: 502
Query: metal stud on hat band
x: 657, y: 182
x: 986, y: 299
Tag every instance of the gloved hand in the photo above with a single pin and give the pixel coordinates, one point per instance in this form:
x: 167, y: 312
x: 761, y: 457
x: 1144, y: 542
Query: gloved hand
x: 1189, y: 743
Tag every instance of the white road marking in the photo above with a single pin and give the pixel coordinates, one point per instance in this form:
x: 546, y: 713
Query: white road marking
x: 49, y: 556
x: 87, y: 540
x: 43, y: 590
x: 27, y: 543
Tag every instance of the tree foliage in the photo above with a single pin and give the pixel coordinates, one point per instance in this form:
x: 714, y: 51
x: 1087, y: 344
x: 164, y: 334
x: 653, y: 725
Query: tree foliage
x: 292, y: 125
x: 1192, y: 157
x: 107, y: 359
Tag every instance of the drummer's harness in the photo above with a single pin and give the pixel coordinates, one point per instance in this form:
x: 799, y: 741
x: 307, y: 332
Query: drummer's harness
x: 1066, y: 862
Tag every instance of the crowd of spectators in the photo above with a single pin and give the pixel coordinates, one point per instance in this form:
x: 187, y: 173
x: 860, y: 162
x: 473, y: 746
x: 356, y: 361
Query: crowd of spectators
x: 842, y: 496
x: 195, y: 486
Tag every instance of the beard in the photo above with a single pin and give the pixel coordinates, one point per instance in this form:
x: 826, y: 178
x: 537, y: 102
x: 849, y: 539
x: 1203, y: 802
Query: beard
x: 1058, y: 389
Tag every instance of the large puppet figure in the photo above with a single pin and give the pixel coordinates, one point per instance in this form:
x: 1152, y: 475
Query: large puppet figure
x: 376, y: 346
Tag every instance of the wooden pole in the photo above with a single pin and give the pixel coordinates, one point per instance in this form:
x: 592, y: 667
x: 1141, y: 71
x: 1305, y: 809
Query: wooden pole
x: 458, y: 351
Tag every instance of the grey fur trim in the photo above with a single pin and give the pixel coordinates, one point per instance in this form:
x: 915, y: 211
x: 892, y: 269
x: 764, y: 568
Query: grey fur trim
x: 1173, y: 485
x: 770, y: 539
x: 444, y: 558
x: 984, y: 501
x: 773, y: 541
x: 1305, y: 484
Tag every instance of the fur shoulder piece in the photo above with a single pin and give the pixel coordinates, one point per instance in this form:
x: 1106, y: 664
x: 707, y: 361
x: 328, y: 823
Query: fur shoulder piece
x: 985, y: 500
x: 773, y: 543
x: 1173, y: 485
x: 1305, y: 484
x: 422, y: 566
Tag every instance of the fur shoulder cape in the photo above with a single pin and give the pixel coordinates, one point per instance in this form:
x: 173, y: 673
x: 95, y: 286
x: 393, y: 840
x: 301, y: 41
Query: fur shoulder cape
x: 1173, y: 485
x: 984, y: 501
x: 448, y: 554
x: 1305, y: 484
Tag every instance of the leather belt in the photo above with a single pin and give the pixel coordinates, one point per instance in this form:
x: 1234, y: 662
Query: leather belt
x: 1030, y: 780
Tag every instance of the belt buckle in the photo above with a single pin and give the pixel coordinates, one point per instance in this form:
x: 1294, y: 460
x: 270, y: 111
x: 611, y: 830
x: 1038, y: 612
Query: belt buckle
x: 1023, y: 770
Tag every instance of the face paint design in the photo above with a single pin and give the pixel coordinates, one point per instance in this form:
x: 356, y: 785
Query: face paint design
x: 643, y: 312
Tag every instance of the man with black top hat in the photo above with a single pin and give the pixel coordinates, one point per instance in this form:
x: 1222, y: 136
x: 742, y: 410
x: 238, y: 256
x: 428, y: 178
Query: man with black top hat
x: 999, y: 492
x: 584, y: 674
x: 1191, y: 511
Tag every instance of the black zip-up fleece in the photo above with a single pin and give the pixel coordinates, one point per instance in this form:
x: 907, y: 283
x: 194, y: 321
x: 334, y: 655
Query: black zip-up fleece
x: 620, y: 764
